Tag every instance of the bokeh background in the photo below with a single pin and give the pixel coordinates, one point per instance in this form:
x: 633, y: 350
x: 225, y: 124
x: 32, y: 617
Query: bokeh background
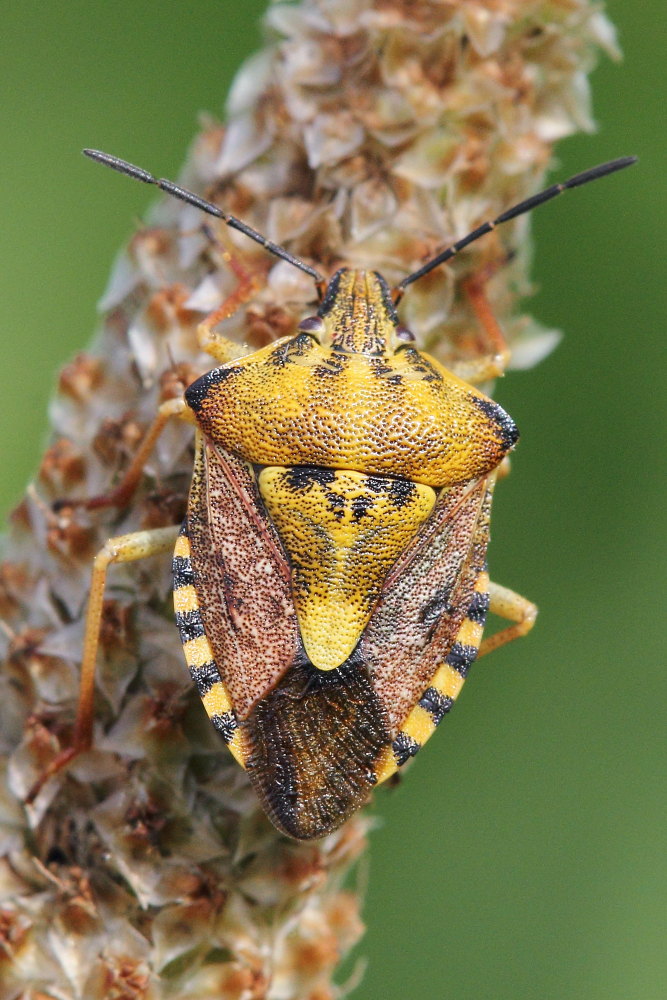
x: 525, y: 854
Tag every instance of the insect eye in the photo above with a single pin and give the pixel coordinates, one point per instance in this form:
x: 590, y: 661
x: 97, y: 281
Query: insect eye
x: 313, y: 325
x: 402, y: 333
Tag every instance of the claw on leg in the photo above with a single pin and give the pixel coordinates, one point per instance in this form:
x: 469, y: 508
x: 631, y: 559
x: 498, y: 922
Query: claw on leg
x: 221, y: 348
x: 494, y: 353
x: 514, y: 608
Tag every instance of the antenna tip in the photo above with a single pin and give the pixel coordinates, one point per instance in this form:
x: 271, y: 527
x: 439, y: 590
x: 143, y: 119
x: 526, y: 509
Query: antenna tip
x: 619, y: 164
x: 95, y: 154
x: 121, y: 165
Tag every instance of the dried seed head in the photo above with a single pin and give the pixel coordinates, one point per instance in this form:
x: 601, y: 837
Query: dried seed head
x: 370, y: 133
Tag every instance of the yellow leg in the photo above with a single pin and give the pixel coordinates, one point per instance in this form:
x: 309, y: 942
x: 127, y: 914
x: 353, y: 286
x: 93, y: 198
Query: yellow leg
x: 214, y: 343
x: 504, y: 469
x: 122, y: 494
x: 249, y: 283
x: 494, y: 353
x: 514, y: 608
x: 124, y: 548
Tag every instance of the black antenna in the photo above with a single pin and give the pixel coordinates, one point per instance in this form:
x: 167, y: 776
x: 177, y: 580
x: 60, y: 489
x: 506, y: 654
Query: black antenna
x: 511, y: 213
x: 140, y: 174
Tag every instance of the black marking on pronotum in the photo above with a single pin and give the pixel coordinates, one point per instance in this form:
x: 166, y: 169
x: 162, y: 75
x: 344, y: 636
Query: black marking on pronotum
x: 196, y: 393
x: 226, y: 725
x: 190, y: 625
x: 183, y: 574
x: 479, y: 607
x: 334, y: 365
x: 379, y: 369
x: 419, y: 363
x: 404, y: 747
x: 328, y: 370
x: 205, y: 677
x: 509, y: 433
x: 461, y: 657
x: 297, y: 347
x: 436, y: 704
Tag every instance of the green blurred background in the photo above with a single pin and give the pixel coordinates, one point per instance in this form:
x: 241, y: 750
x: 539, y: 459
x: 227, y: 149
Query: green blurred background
x: 524, y: 856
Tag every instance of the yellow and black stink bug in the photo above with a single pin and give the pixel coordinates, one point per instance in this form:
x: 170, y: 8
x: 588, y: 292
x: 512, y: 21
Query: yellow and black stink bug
x: 330, y: 579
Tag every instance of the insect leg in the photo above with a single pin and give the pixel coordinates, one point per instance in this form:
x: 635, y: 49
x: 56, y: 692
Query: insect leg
x: 504, y: 468
x: 514, y: 608
x: 124, y: 548
x: 213, y: 342
x: 494, y: 353
x: 249, y: 283
x: 121, y: 495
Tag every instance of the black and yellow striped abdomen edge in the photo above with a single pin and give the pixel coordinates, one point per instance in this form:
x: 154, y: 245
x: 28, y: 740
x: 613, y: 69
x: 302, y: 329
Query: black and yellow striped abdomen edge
x: 444, y: 687
x: 198, y: 653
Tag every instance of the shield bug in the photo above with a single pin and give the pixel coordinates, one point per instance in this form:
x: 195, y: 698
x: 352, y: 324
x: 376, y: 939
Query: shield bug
x: 330, y: 581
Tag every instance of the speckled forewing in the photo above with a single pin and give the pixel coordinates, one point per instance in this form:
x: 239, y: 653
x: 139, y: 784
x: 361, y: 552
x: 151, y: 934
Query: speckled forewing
x: 425, y: 601
x: 241, y: 577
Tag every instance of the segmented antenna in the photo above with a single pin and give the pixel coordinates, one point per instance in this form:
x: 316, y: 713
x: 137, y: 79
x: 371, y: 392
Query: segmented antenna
x: 524, y: 206
x: 139, y: 174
